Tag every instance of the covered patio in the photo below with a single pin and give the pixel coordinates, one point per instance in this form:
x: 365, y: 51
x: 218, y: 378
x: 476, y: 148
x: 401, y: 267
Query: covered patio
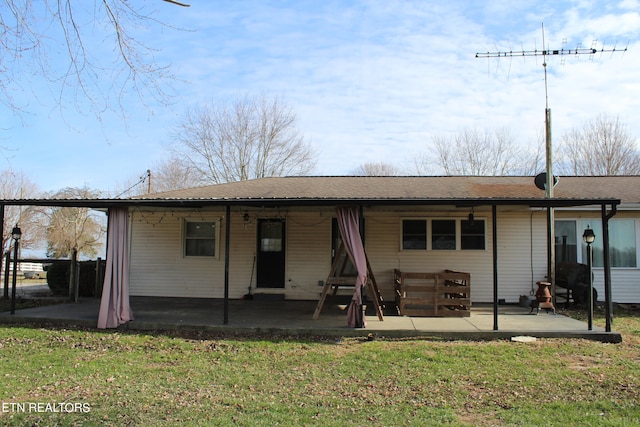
x: 498, y: 196
x: 293, y: 318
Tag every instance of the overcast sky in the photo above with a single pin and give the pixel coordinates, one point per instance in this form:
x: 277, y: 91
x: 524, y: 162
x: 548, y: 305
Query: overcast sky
x: 370, y: 81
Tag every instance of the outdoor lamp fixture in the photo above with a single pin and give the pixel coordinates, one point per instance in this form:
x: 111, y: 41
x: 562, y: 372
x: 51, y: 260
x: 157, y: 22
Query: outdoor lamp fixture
x: 589, y: 237
x: 471, y: 216
x: 16, y: 234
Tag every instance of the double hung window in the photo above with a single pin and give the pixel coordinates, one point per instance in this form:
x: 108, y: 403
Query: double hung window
x: 442, y: 234
x: 200, y: 239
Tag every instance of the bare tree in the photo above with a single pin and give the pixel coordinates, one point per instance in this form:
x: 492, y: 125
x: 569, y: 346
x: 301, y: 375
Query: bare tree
x: 252, y: 137
x: 70, y: 229
x: 377, y: 169
x: 476, y: 152
x: 173, y: 174
x: 531, y: 159
x: 15, y: 185
x: 33, y: 34
x: 423, y: 164
x: 603, y: 146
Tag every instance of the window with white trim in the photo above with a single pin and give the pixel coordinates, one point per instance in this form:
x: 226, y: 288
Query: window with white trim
x: 414, y: 234
x: 443, y: 234
x: 200, y: 239
x: 566, y: 244
x: 472, y: 234
x: 622, y: 243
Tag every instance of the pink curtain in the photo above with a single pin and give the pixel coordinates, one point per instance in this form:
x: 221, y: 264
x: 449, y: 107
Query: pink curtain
x: 349, y: 224
x: 114, y: 307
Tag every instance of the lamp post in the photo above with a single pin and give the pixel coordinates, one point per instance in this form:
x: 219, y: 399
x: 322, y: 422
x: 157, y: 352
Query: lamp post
x: 589, y: 237
x: 16, y: 233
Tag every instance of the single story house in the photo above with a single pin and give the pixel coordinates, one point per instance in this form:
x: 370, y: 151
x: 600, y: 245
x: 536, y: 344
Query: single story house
x: 283, y: 233
x: 276, y: 236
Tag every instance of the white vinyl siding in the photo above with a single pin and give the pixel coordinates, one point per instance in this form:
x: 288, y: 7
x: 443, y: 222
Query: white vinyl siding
x: 383, y: 247
x: 522, y: 253
x: 625, y: 281
x: 158, y: 267
x: 308, y: 254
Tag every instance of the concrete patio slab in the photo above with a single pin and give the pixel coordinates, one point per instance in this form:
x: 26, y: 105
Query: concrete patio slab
x: 295, y: 318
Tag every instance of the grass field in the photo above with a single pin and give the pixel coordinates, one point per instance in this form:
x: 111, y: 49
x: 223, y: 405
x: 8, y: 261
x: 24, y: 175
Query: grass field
x: 187, y: 378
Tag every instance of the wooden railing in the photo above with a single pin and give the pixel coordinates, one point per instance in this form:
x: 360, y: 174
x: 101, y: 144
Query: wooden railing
x: 440, y: 294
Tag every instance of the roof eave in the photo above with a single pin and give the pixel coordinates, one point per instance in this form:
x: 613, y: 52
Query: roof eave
x: 273, y: 202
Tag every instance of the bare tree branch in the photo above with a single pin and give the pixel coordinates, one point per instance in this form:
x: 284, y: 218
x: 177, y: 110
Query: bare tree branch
x: 377, y: 169
x: 247, y: 139
x: 33, y: 34
x: 72, y: 229
x: 476, y: 152
x: 603, y: 146
x: 15, y: 185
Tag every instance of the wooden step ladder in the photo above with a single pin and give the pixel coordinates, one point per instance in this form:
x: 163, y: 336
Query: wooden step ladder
x: 337, y: 278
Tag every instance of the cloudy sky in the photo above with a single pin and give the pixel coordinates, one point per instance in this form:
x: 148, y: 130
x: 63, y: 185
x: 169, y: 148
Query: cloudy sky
x: 370, y: 81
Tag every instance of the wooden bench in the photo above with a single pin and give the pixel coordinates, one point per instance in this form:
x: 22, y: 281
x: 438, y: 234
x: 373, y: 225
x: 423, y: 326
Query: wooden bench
x: 441, y: 294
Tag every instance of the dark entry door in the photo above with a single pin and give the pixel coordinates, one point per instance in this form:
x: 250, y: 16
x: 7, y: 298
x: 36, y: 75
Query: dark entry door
x: 270, y: 253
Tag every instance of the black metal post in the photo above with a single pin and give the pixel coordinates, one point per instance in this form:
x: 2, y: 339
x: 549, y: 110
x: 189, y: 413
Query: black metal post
x: 98, y: 279
x: 494, y: 217
x: 6, y: 269
x: 608, y: 299
x: 15, y: 276
x: 7, y: 264
x: 74, y: 276
x: 589, y: 265
x: 227, y: 246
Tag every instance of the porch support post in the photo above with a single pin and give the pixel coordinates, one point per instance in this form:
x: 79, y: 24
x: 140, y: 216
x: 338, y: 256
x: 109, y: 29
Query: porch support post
x: 551, y: 252
x: 5, y: 294
x: 494, y: 216
x: 227, y: 218
x: 361, y: 223
x: 608, y: 303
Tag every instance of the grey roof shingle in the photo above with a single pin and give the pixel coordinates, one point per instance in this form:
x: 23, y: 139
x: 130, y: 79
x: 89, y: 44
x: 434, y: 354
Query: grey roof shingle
x: 402, y: 190
x: 626, y: 188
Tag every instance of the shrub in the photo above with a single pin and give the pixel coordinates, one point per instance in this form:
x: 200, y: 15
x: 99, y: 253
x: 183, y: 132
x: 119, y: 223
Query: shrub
x: 58, y: 277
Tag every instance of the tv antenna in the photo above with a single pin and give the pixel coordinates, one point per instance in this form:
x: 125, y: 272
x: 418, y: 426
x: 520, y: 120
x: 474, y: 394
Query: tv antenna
x: 550, y: 180
x: 544, y: 52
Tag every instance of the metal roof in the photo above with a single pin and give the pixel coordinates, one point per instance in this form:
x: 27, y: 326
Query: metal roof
x: 403, y: 190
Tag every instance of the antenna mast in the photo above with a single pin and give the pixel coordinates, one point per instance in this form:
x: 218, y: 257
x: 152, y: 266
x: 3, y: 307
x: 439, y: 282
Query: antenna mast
x: 550, y: 181
x: 544, y: 53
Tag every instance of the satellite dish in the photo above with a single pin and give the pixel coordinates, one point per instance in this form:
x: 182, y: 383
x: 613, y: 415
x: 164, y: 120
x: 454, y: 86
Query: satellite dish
x: 541, y: 181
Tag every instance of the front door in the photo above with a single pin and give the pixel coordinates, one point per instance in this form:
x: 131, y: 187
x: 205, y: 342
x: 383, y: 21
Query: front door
x: 270, y: 253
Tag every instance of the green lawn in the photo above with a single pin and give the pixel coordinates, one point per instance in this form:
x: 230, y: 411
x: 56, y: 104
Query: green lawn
x: 186, y: 378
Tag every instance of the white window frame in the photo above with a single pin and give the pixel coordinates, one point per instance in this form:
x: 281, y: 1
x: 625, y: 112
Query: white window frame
x: 429, y: 223
x: 484, y: 234
x: 582, y: 224
x: 427, y: 234
x: 577, y: 222
x: 216, y: 237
